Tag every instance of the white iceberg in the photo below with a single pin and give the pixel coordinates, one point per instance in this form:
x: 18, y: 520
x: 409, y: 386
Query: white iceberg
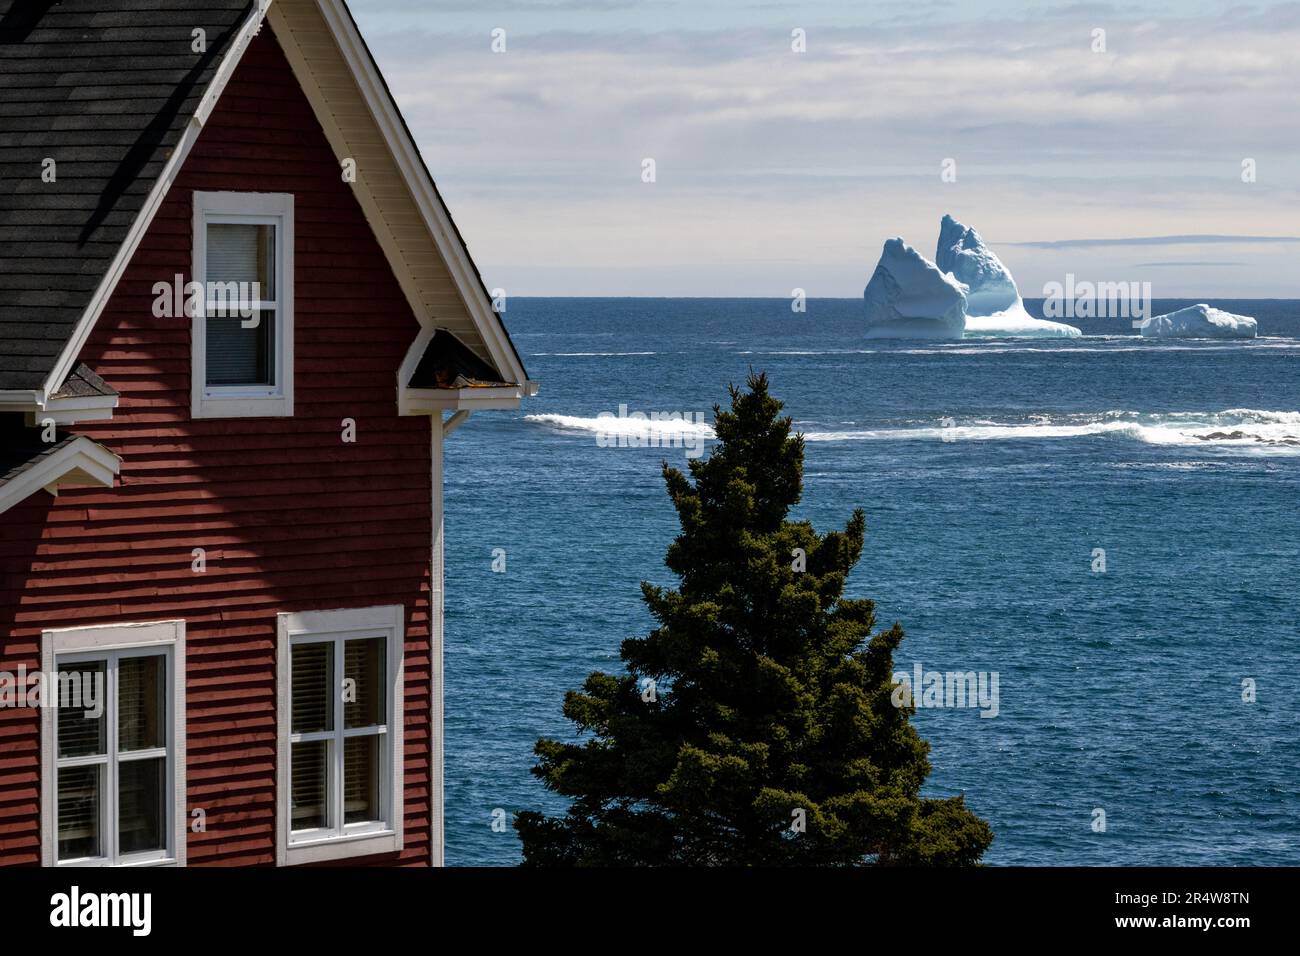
x: 963, y: 254
x: 1016, y: 321
x: 993, y: 303
x: 1200, y: 322
x: 908, y: 297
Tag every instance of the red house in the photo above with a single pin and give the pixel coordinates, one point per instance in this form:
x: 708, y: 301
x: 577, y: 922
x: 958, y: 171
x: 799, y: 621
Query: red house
x: 236, y: 326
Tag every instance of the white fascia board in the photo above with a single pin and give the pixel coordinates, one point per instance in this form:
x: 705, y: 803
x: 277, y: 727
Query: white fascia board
x: 61, y: 411
x: 67, y: 360
x: 425, y: 401
x: 82, y: 404
x: 83, y: 462
x: 66, y: 417
x: 407, y: 156
x: 70, y: 411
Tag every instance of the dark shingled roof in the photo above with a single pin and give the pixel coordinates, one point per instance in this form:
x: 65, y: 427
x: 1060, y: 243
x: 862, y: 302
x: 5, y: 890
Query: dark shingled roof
x: 21, y: 448
x: 447, y: 362
x: 84, y: 383
x: 105, y: 89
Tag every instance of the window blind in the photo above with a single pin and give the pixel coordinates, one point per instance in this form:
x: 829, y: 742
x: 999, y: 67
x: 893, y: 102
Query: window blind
x: 79, y: 735
x: 309, y: 781
x: 313, y: 677
x: 240, y: 254
x: 363, y: 664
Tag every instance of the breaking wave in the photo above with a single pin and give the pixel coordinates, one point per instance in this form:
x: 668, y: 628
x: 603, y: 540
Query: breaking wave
x: 613, y: 425
x: 1234, y: 427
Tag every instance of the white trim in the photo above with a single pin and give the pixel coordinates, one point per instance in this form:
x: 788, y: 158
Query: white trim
x: 70, y: 411
x: 63, y: 411
x: 457, y: 419
x: 387, y: 621
x: 437, y: 585
x: 86, y: 642
x: 82, y: 462
x: 426, y: 401
x: 239, y: 45
x: 276, y: 401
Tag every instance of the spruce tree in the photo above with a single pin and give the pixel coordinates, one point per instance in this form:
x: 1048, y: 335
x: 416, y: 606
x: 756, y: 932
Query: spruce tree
x: 754, y: 725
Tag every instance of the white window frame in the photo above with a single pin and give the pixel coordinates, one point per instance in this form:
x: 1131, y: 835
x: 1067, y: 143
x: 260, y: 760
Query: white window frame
x: 346, y: 840
x: 115, y: 641
x: 244, y: 401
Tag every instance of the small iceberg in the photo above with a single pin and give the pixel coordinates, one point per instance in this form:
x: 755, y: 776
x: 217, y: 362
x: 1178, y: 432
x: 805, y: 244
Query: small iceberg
x: 1200, y: 322
x: 993, y: 303
x: 909, y: 297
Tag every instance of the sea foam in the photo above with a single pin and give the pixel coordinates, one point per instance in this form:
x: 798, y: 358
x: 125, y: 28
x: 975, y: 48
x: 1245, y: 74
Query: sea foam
x: 1232, y: 428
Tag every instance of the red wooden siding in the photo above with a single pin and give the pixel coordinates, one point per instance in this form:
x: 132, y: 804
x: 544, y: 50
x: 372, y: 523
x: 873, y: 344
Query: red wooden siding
x: 290, y: 516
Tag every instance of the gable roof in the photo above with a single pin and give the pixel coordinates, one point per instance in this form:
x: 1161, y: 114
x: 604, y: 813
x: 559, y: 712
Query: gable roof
x: 28, y: 463
x: 105, y: 91
x: 139, y: 131
x: 84, y: 383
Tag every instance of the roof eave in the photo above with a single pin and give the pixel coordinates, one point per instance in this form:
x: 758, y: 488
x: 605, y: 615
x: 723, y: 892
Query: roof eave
x: 80, y: 463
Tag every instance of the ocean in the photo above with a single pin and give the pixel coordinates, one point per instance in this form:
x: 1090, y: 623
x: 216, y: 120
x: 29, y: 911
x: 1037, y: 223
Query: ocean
x: 1160, y: 692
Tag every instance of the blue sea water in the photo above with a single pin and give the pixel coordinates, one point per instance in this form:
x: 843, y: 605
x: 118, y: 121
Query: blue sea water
x: 990, y: 471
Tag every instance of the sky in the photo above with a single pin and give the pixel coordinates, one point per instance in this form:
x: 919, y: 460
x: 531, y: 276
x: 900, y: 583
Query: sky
x: 1171, y: 156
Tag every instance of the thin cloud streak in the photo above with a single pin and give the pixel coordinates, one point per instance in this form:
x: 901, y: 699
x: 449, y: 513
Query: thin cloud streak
x: 1150, y: 241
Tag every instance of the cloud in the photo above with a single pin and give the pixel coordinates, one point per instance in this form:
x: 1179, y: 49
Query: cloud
x: 809, y: 161
x: 500, y: 6
x: 1180, y: 265
x: 1151, y: 241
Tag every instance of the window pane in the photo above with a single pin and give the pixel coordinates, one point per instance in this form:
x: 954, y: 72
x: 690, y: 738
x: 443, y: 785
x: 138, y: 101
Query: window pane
x: 313, y: 678
x: 245, y: 253
x: 240, y: 356
x: 79, y: 803
x: 363, y: 682
x: 81, y: 690
x: 361, y: 779
x: 141, y: 817
x: 140, y: 703
x: 309, y: 785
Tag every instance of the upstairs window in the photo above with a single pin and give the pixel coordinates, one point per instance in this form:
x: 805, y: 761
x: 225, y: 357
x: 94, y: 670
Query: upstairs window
x: 242, y: 336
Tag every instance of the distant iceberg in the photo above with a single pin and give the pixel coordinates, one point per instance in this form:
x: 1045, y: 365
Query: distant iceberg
x: 909, y: 297
x: 993, y: 303
x: 1200, y: 322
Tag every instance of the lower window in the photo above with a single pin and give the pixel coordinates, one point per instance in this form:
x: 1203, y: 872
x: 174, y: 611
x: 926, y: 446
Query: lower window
x: 112, y: 746
x: 340, y: 774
